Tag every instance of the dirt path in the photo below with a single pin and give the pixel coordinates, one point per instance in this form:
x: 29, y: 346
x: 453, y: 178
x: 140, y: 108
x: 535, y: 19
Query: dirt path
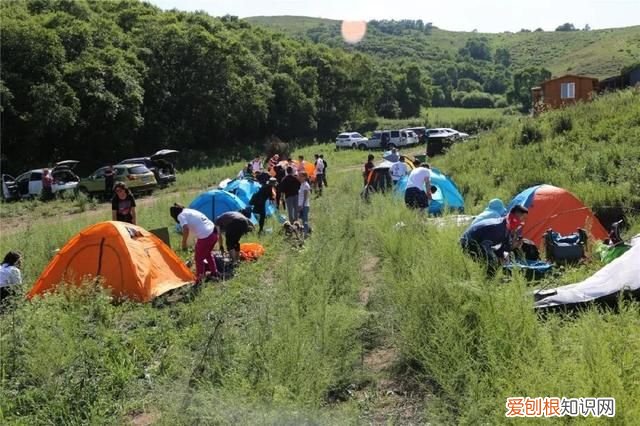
x: 389, y: 398
x: 15, y: 224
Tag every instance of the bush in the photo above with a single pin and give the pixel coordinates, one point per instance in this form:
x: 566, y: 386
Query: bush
x: 274, y: 145
x: 477, y: 99
x: 562, y: 123
x: 500, y: 102
x: 530, y: 133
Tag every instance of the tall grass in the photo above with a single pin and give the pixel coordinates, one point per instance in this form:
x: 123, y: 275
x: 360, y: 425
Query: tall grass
x: 283, y: 341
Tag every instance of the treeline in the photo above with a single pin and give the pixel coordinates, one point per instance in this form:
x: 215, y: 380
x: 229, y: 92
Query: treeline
x: 476, y: 76
x: 101, y: 80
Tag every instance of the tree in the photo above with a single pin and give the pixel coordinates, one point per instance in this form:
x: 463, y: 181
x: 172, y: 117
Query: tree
x: 523, y: 81
x: 502, y: 57
x: 566, y: 27
x: 477, y: 48
x: 468, y: 85
x: 587, y: 27
x: 413, y: 91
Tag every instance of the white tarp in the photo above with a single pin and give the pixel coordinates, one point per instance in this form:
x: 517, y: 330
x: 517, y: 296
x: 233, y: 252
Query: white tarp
x: 621, y: 274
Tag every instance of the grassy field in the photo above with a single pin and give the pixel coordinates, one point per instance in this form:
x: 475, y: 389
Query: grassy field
x: 380, y: 318
x: 599, y: 53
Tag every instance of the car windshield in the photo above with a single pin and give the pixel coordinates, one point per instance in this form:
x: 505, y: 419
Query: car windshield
x: 138, y: 170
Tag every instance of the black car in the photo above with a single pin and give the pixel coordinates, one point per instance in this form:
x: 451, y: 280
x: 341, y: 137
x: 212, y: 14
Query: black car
x: 159, y: 164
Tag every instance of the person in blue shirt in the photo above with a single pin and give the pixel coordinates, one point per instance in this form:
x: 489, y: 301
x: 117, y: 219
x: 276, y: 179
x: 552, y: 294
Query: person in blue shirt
x: 487, y: 240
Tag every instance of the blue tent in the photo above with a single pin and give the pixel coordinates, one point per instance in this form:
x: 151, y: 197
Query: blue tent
x: 447, y: 195
x: 215, y: 202
x: 494, y: 210
x: 244, y: 190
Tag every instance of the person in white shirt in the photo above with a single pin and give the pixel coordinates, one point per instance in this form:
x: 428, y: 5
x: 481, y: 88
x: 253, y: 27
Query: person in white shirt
x: 10, y: 274
x: 193, y: 221
x: 304, y: 196
x: 319, y: 173
x: 398, y: 170
x: 418, y: 190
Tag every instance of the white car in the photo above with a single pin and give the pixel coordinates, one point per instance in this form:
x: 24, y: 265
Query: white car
x: 29, y: 184
x: 392, y: 138
x: 351, y: 140
x: 453, y: 132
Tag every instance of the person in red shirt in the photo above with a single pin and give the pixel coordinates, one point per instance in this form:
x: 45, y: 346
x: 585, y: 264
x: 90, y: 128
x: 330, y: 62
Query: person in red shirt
x: 47, y: 185
x: 368, y: 166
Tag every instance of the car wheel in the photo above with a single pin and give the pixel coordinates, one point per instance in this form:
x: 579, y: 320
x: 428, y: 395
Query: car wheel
x: 353, y: 146
x: 362, y: 146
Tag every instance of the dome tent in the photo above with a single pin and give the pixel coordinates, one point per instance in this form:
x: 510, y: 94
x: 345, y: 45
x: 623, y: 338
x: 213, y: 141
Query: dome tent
x: 215, y: 202
x: 133, y: 263
x: 244, y: 189
x: 556, y: 208
x: 446, y: 197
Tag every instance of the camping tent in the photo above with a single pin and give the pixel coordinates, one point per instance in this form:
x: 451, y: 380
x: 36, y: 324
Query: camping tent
x: 242, y: 188
x: 556, y: 208
x: 133, y: 263
x: 380, y: 176
x: 447, y: 195
x: 620, y: 276
x: 215, y: 202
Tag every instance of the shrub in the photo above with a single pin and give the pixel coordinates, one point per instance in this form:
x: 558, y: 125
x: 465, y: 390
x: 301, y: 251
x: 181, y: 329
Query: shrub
x: 500, y: 102
x: 529, y: 133
x: 477, y: 99
x: 562, y: 123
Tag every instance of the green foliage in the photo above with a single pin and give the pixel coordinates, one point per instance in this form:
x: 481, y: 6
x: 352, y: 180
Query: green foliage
x: 523, y: 81
x: 284, y: 341
x: 125, y: 78
x: 566, y: 27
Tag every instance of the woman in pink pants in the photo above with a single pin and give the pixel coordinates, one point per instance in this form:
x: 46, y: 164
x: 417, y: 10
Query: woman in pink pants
x: 192, y: 221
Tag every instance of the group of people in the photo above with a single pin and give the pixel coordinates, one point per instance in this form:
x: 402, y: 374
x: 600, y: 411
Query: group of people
x: 419, y: 189
x: 232, y: 225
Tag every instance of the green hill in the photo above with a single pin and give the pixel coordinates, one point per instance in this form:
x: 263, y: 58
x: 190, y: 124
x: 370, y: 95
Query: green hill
x: 379, y: 318
x: 600, y: 53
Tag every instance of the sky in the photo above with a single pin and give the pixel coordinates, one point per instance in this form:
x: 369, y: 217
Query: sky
x: 456, y: 15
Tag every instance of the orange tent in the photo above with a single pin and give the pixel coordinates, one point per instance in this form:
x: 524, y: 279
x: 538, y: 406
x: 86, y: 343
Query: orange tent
x: 132, y: 262
x: 556, y: 208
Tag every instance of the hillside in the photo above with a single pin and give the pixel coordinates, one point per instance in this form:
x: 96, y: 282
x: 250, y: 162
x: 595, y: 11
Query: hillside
x: 378, y: 319
x: 600, y: 53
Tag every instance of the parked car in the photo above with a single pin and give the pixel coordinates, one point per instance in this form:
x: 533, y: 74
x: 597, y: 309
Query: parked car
x: 392, y: 138
x: 9, y: 188
x: 421, y: 133
x: 438, y: 140
x: 159, y: 164
x: 138, y: 178
x: 29, y: 184
x: 351, y: 140
x: 457, y: 134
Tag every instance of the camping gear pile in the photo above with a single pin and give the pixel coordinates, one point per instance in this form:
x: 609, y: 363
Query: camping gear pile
x: 620, y: 278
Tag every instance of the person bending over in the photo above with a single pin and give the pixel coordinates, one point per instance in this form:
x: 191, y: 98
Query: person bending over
x: 233, y: 225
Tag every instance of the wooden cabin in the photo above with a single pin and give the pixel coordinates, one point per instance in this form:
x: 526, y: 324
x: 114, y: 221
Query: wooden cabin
x: 565, y: 90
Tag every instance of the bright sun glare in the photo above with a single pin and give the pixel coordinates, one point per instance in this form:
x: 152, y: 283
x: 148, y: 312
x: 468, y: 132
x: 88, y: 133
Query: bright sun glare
x: 353, y: 31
